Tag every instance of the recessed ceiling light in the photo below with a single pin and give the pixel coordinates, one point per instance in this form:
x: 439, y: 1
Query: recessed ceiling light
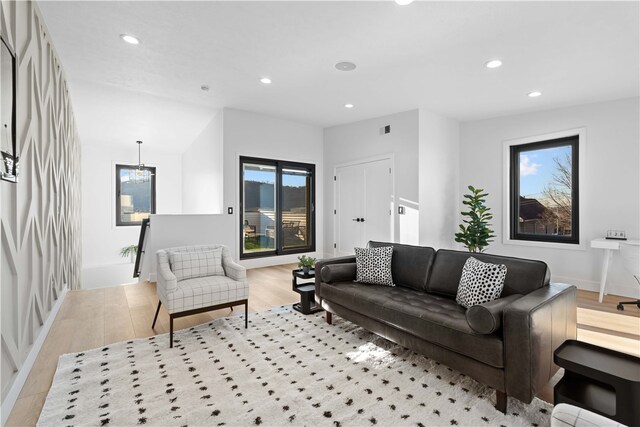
x: 534, y: 94
x: 403, y: 2
x: 129, y: 39
x: 265, y: 80
x: 348, y: 106
x: 345, y: 66
x: 494, y: 63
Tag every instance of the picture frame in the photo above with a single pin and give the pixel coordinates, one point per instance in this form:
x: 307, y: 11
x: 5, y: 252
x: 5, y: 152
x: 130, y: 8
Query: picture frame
x: 9, y: 160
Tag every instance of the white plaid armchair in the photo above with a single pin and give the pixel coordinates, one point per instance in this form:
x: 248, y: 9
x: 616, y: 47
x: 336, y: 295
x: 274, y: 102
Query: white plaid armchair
x: 196, y: 279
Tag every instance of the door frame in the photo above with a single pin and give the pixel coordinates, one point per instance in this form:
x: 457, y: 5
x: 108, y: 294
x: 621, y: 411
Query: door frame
x: 390, y: 157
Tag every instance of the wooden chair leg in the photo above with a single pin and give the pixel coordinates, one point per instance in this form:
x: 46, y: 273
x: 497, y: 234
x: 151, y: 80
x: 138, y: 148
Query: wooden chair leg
x: 501, y: 401
x: 156, y: 316
x: 329, y: 317
x: 170, y: 330
x: 246, y: 314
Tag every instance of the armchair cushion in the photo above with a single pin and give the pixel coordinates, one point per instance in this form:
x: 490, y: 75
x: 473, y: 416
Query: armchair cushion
x: 189, y: 265
x: 203, y: 292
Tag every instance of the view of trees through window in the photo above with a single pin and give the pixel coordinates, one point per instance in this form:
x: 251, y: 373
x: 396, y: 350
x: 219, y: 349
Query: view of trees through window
x: 545, y: 185
x: 135, y: 194
x: 277, y: 207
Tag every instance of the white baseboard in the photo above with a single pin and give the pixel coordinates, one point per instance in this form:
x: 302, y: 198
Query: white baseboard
x: 590, y: 285
x: 11, y: 397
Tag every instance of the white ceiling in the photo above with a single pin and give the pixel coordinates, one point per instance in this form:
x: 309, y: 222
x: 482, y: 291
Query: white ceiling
x: 426, y: 55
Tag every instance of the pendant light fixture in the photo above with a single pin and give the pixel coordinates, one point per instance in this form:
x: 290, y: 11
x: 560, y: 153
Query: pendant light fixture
x: 140, y: 174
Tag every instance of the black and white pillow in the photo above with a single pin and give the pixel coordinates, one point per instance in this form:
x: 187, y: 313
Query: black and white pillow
x: 188, y: 265
x: 373, y: 265
x: 480, y: 282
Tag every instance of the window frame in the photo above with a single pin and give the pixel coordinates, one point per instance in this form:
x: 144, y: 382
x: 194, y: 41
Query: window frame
x: 510, y: 233
x: 280, y: 165
x: 152, y: 170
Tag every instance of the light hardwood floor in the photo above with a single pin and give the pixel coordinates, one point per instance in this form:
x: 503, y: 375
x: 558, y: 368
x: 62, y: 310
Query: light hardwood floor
x: 97, y: 317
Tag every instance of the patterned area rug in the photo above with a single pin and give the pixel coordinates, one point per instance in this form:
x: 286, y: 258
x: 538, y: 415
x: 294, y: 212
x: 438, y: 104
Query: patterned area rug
x: 286, y: 369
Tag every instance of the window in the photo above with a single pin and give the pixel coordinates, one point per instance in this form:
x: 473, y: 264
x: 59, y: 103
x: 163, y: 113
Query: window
x: 135, y: 194
x: 544, y: 191
x: 277, y: 213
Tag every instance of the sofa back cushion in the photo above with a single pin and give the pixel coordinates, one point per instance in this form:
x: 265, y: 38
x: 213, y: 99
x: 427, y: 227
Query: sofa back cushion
x: 188, y: 265
x: 410, y: 265
x: 523, y: 275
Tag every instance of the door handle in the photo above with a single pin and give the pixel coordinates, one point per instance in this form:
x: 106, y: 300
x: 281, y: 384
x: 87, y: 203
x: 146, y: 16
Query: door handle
x: 356, y: 219
x: 361, y: 219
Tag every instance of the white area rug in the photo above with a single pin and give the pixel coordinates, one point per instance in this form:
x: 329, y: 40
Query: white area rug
x: 286, y: 369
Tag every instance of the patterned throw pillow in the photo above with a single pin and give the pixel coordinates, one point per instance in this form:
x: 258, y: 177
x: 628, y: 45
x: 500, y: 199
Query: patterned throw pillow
x: 480, y: 282
x: 187, y: 265
x: 373, y: 265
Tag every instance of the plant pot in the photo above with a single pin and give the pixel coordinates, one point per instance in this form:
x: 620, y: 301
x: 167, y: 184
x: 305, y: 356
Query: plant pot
x: 305, y: 270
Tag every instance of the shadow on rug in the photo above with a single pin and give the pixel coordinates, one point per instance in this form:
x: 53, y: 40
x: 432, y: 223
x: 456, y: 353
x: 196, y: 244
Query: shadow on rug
x: 286, y: 369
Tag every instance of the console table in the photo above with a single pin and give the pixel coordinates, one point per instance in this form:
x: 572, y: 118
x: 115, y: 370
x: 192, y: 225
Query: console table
x: 599, y: 380
x: 307, y: 291
x: 608, y: 245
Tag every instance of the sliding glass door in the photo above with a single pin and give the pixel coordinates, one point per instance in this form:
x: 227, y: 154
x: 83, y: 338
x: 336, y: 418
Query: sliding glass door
x: 277, y: 207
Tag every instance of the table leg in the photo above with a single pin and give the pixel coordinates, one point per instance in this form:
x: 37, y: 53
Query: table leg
x: 605, y: 270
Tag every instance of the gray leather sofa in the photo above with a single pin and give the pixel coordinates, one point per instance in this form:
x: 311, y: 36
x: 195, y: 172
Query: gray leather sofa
x: 506, y: 344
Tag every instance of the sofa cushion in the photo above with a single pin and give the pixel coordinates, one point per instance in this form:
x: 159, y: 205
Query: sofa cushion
x: 487, y: 318
x: 524, y: 275
x: 188, y: 265
x: 338, y: 272
x: 480, y: 282
x: 436, y: 319
x: 373, y: 265
x: 410, y: 265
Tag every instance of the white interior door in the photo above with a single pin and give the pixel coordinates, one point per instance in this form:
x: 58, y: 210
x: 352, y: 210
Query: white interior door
x: 349, y: 208
x: 378, y: 203
x: 363, y: 211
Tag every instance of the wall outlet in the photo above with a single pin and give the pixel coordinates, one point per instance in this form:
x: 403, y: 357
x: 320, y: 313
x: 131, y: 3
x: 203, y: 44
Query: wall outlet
x: 230, y: 210
x: 616, y: 235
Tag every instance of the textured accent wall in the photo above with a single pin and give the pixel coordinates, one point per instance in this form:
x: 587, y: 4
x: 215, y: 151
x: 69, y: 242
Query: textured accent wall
x: 40, y: 227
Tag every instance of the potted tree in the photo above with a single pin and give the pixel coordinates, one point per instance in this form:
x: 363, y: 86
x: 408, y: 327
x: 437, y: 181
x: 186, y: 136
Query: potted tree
x: 475, y: 233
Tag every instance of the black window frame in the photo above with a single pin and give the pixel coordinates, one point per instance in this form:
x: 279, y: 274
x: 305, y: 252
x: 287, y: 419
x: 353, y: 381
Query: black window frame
x: 152, y: 171
x: 279, y: 165
x: 514, y: 193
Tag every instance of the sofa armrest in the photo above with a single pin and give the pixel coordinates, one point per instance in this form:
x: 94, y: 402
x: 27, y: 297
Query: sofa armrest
x: 332, y: 273
x: 330, y: 261
x: 534, y: 326
x: 234, y: 270
x: 486, y: 318
x: 167, y: 281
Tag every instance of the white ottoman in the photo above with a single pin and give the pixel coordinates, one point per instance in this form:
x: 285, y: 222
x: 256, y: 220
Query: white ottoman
x: 564, y: 415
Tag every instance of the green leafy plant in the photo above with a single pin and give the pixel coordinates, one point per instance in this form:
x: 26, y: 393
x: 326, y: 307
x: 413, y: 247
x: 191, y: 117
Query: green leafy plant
x: 475, y: 233
x: 306, y: 261
x: 128, y: 250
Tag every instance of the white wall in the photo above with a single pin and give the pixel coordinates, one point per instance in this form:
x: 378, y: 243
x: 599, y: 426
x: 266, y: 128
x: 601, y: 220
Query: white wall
x: 168, y: 231
x: 101, y: 239
x: 361, y: 140
x: 257, y: 135
x: 40, y: 255
x: 611, y: 190
x: 439, y: 174
x: 202, y: 168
